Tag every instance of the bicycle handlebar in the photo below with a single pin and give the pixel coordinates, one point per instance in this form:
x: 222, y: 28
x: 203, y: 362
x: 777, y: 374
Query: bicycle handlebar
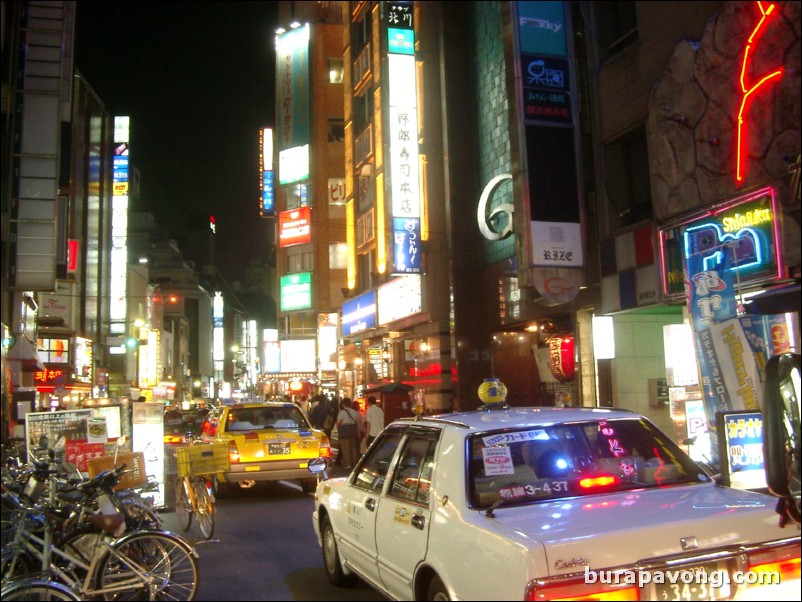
x: 113, y: 474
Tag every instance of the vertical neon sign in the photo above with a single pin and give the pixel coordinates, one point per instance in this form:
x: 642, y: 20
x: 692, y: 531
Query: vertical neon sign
x: 747, y: 92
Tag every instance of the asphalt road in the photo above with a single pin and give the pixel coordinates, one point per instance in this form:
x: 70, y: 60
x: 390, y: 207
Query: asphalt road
x: 264, y: 548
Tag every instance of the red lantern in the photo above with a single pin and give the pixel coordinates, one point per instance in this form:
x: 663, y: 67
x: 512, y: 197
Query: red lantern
x: 561, y: 355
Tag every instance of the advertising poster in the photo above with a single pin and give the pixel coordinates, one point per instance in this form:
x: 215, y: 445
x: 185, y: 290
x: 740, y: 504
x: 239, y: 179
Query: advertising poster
x: 736, y: 366
x: 698, y: 432
x: 767, y: 336
x: 741, y: 452
x: 148, y: 438
x: 710, y: 294
x: 66, y: 433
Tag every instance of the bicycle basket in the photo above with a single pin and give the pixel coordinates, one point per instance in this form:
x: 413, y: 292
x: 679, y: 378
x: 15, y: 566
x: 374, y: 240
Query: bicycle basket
x: 201, y: 459
x: 134, y: 475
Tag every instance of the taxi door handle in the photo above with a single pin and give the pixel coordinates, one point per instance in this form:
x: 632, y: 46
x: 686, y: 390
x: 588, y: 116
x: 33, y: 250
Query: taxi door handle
x: 418, y: 521
x: 370, y: 504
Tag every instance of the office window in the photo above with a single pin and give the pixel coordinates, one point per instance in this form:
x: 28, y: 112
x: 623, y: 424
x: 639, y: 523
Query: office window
x: 336, y: 129
x: 298, y: 196
x: 362, y: 111
x: 338, y: 254
x: 335, y: 70
x: 627, y: 176
x: 302, y: 261
x: 616, y: 26
x: 364, y: 228
x: 53, y: 351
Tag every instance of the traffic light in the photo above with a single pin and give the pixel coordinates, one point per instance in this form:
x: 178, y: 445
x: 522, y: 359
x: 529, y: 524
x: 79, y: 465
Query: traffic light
x: 132, y: 342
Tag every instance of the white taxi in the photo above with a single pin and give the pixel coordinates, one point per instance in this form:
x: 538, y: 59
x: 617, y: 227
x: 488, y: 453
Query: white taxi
x: 544, y: 504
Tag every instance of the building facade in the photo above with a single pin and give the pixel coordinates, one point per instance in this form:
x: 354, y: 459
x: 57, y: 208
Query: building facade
x: 524, y: 183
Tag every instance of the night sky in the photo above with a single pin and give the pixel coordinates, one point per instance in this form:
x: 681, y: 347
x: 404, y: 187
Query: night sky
x: 197, y: 80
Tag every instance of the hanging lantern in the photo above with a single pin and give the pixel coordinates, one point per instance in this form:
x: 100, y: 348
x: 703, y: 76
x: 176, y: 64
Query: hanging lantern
x: 561, y: 356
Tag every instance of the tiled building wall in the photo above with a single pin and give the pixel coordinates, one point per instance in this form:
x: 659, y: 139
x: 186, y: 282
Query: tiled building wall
x: 639, y: 356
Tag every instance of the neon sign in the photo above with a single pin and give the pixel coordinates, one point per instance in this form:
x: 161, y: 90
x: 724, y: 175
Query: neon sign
x: 748, y: 92
x: 746, y: 228
x: 49, y: 376
x: 710, y: 239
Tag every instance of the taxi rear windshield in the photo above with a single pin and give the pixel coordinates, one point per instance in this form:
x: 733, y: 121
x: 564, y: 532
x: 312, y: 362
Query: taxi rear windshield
x: 578, y: 459
x: 249, y: 419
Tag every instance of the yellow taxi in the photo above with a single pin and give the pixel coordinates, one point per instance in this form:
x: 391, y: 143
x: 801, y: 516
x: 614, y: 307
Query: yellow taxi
x: 269, y: 441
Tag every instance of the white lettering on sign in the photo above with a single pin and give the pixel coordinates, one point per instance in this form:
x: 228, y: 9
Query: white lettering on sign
x: 486, y: 221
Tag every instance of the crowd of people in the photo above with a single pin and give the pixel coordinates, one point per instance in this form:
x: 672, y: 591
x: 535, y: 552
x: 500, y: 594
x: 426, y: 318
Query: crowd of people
x: 353, y: 429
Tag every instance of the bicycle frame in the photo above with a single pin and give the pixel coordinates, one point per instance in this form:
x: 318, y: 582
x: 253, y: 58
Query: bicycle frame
x: 43, y: 550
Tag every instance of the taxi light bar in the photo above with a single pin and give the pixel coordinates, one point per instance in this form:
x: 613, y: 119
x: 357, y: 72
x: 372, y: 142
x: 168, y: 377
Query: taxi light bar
x: 577, y: 589
x: 172, y: 439
x: 604, y: 480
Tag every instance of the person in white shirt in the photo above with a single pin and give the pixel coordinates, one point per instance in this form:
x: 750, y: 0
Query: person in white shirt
x: 374, y: 420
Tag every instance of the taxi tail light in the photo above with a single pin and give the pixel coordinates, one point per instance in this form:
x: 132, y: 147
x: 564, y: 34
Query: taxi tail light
x: 324, y: 451
x: 233, y: 453
x: 775, y: 565
x: 579, y: 589
x: 251, y: 435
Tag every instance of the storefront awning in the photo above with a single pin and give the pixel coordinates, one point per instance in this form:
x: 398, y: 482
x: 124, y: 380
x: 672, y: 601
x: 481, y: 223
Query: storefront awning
x: 775, y: 300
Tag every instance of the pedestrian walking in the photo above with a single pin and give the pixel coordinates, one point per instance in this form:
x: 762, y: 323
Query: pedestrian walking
x: 319, y: 414
x: 348, y: 434
x: 374, y: 420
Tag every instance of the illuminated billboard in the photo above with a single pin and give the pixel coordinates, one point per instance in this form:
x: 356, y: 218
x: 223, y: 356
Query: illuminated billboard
x: 406, y: 245
x: 298, y: 355
x: 119, y: 222
x: 267, y: 202
x: 399, y: 298
x: 292, y: 99
x: 359, y: 313
x: 294, y: 227
x: 296, y: 291
x: 405, y: 198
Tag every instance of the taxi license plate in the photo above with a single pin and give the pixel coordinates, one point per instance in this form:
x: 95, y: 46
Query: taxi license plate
x: 277, y: 449
x: 703, y: 582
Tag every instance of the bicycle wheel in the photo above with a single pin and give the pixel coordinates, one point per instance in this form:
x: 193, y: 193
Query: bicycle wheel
x: 36, y: 589
x: 205, y: 507
x: 81, y: 544
x: 183, y: 505
x: 139, y: 516
x: 156, y: 565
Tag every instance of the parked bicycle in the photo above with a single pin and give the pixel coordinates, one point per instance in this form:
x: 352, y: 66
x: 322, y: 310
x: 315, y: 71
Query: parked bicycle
x: 194, y: 489
x: 92, y: 563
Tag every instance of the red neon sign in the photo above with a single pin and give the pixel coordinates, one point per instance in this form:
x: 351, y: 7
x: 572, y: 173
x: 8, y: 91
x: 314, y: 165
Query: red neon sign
x: 72, y: 255
x: 48, y: 377
x: 747, y: 91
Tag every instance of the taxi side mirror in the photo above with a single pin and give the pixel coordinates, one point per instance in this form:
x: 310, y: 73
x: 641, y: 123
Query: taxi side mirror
x: 782, y: 433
